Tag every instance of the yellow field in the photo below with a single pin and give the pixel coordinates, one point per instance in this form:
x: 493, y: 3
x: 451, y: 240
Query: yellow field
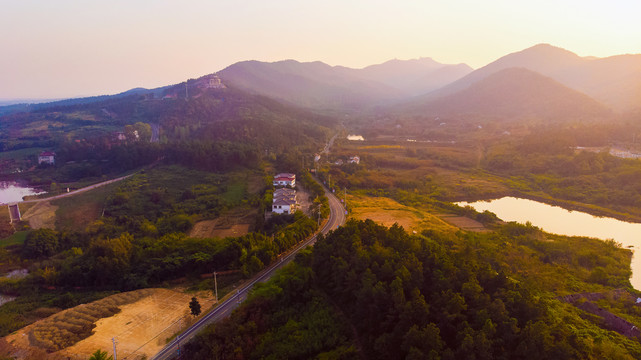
x: 141, y: 328
x: 387, y: 212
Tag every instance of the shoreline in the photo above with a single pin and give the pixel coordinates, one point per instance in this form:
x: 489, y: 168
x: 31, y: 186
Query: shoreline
x: 594, y: 210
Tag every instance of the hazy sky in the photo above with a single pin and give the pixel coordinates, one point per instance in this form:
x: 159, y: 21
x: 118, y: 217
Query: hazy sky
x: 64, y: 48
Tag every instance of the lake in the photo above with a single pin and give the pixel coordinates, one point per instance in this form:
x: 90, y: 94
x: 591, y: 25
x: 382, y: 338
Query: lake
x: 11, y: 191
x: 557, y: 220
x: 355, y: 137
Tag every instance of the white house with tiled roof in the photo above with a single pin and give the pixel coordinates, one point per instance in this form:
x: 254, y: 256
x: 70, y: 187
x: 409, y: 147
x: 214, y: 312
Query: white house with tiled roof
x: 284, y: 201
x: 47, y: 157
x: 285, y: 179
x: 284, y: 206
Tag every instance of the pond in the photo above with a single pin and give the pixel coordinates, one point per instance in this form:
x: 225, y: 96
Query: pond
x: 11, y: 191
x: 557, y: 220
x: 355, y: 137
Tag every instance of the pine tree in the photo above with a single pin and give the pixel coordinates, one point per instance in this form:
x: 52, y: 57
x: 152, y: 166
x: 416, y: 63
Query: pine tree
x: 194, y: 305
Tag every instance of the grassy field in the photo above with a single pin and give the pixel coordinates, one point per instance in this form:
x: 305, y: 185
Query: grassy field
x: 16, y: 239
x: 78, y: 211
x: 21, y: 154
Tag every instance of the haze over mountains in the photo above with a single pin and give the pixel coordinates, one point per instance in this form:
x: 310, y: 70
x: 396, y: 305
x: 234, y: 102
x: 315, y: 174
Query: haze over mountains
x: 615, y: 81
x: 318, y: 85
x: 513, y: 94
x: 557, y: 83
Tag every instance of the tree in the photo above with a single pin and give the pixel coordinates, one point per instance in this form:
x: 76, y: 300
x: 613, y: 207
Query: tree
x: 100, y: 355
x: 39, y: 243
x: 194, y: 305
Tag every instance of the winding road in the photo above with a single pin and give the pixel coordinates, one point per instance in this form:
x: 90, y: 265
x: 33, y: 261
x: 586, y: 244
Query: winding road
x: 336, y: 218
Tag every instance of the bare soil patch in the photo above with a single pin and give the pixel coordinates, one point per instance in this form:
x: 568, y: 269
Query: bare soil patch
x: 211, y: 228
x: 302, y: 196
x: 234, y: 224
x: 41, y: 215
x: 141, y: 328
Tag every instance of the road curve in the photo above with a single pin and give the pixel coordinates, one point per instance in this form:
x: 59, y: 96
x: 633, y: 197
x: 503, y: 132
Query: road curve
x: 336, y: 219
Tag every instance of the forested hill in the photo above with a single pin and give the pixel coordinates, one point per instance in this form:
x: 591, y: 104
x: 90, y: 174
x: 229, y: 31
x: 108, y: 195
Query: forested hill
x: 366, y: 291
x: 200, y: 131
x: 207, y: 114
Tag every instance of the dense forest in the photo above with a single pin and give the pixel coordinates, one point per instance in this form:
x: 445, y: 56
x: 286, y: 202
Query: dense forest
x: 366, y: 291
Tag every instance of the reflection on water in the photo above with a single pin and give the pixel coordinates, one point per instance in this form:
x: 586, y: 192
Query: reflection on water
x: 355, y: 137
x: 557, y: 220
x: 10, y: 191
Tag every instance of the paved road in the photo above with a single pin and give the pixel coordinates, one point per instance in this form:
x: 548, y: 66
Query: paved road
x: 71, y: 193
x: 336, y: 218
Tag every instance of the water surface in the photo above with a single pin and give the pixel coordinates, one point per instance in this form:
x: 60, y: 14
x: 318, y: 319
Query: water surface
x: 11, y: 191
x: 557, y: 220
x: 355, y: 137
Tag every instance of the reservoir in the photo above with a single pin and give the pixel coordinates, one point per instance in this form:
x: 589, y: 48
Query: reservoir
x: 11, y: 191
x: 554, y: 219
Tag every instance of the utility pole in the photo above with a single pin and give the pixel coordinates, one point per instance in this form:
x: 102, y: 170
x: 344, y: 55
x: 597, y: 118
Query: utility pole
x: 319, y: 212
x: 114, y: 341
x: 186, y: 90
x: 345, y: 201
x: 216, y: 287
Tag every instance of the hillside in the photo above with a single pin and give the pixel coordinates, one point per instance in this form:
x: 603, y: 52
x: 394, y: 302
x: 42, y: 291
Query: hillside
x: 514, y: 93
x: 313, y: 85
x: 615, y: 81
x: 320, y: 86
x: 415, y: 76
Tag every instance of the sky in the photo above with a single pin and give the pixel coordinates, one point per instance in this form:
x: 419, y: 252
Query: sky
x: 70, y: 48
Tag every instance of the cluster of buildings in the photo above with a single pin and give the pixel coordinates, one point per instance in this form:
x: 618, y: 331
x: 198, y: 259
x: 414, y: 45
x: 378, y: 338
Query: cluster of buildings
x: 351, y: 160
x: 284, y: 198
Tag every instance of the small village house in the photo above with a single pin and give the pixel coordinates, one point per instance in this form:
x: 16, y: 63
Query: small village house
x: 285, y: 179
x: 47, y: 157
x: 284, y: 201
x: 284, y: 206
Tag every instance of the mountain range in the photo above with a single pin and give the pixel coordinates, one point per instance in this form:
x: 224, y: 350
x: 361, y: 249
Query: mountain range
x: 551, y: 83
x: 614, y: 81
x: 542, y: 81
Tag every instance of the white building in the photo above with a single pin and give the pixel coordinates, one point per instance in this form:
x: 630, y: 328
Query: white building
x: 285, y: 179
x: 284, y: 206
x: 47, y: 157
x: 284, y: 201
